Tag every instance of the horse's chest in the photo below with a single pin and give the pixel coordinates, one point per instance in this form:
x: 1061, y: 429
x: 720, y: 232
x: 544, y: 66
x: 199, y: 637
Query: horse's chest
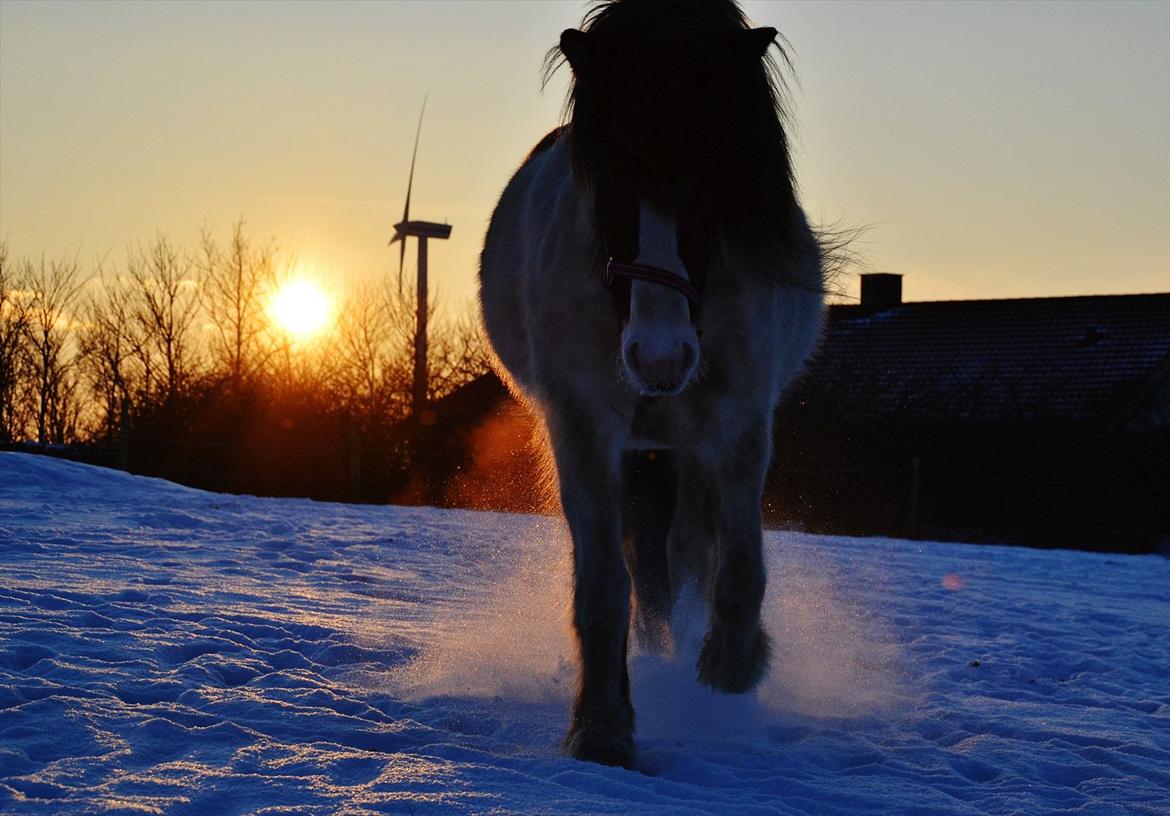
x: 733, y: 390
x: 663, y: 422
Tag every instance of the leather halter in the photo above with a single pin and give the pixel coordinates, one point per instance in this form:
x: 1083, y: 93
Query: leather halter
x: 653, y: 274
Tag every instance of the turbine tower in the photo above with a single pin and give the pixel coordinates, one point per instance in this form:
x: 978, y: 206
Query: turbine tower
x: 422, y: 230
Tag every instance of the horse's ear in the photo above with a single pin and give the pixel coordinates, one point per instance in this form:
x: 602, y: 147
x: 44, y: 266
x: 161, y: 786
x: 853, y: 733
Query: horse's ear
x: 759, y: 40
x: 575, y: 47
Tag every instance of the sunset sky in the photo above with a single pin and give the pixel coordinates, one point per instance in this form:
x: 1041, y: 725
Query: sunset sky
x: 991, y: 150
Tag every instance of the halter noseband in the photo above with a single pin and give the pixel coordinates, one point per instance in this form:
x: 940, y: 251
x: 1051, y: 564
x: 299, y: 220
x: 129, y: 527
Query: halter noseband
x: 653, y: 274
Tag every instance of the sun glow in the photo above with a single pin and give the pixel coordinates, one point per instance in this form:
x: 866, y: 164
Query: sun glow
x: 301, y: 309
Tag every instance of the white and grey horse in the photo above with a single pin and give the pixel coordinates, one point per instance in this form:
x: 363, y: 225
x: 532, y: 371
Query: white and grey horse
x: 649, y: 282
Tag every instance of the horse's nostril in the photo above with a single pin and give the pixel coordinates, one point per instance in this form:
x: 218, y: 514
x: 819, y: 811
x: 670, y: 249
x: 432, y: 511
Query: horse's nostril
x: 688, y: 356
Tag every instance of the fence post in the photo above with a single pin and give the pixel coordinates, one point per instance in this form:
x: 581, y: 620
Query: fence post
x: 124, y: 437
x: 355, y: 466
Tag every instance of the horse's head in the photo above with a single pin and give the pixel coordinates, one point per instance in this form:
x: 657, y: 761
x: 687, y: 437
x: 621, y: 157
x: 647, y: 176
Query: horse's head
x: 677, y: 138
x: 660, y: 348
x: 674, y: 102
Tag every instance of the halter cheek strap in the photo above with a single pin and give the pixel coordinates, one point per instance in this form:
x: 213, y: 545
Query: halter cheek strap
x: 652, y: 274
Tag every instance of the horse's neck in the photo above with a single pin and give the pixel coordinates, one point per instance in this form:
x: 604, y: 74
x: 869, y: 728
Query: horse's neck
x: 574, y: 210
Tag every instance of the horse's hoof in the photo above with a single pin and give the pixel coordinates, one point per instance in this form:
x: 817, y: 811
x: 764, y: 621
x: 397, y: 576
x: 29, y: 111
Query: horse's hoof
x: 728, y: 664
x: 603, y: 746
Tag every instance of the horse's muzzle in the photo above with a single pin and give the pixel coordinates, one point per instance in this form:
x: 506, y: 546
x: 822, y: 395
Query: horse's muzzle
x: 656, y: 370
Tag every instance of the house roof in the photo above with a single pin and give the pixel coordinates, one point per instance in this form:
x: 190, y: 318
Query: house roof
x: 1053, y: 361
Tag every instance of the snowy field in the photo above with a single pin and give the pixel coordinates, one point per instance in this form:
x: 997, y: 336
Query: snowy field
x: 165, y: 650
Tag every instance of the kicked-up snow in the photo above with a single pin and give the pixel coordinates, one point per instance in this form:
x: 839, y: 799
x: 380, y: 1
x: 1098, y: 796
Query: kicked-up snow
x: 166, y: 650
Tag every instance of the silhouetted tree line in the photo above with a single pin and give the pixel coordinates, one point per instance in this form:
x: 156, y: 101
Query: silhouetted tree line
x: 169, y: 364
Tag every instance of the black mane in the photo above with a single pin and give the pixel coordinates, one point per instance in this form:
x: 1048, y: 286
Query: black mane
x: 678, y: 102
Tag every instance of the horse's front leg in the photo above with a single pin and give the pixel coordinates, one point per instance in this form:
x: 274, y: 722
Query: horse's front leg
x: 588, y: 457
x: 736, y: 650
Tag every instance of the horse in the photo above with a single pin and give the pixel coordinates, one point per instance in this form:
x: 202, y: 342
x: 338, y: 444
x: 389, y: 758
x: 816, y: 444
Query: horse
x: 650, y: 285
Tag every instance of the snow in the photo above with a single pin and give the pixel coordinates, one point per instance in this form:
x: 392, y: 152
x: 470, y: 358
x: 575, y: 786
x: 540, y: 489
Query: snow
x: 166, y: 650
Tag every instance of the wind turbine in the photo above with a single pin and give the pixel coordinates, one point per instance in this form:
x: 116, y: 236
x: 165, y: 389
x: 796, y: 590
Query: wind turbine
x: 422, y: 230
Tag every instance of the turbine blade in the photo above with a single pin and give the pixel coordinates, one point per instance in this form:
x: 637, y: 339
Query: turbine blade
x: 413, y: 156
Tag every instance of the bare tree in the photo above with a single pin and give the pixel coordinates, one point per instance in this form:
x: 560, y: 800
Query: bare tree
x: 234, y: 281
x: 106, y: 346
x: 458, y: 353
x: 52, y: 384
x: 13, y: 356
x: 372, y: 371
x: 165, y: 304
x: 374, y: 353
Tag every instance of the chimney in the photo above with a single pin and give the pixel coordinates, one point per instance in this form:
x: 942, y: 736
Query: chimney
x: 880, y: 291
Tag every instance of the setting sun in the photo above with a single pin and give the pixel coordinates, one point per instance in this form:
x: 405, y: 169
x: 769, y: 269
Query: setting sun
x: 301, y: 308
